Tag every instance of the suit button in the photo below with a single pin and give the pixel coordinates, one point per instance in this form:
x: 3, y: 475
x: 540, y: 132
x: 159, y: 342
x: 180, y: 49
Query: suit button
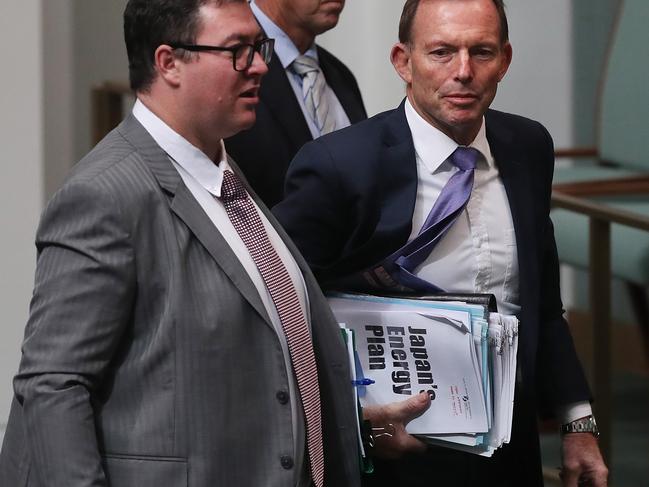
x: 282, y: 397
x: 287, y: 462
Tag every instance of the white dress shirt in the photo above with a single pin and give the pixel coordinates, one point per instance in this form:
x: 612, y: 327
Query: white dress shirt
x: 478, y: 253
x: 287, y: 52
x: 203, y: 178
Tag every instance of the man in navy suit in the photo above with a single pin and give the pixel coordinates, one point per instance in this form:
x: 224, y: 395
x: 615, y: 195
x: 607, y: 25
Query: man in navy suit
x: 284, y: 123
x: 355, y: 197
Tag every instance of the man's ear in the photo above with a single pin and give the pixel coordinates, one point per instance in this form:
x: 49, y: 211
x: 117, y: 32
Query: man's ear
x: 507, y: 60
x: 167, y: 64
x: 400, y: 57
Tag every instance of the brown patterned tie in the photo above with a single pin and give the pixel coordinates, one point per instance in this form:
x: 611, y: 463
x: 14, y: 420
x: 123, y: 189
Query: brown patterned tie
x: 248, y: 224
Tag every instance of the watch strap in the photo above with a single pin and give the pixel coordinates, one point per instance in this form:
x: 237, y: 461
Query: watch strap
x: 587, y: 424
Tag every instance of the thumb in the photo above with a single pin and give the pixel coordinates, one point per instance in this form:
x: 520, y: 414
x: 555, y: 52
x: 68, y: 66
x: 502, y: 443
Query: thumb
x: 401, y: 412
x: 569, y: 478
x: 414, y: 407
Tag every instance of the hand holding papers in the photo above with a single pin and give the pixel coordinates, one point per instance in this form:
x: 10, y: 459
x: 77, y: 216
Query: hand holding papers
x: 387, y: 421
x: 459, y: 354
x: 398, y: 415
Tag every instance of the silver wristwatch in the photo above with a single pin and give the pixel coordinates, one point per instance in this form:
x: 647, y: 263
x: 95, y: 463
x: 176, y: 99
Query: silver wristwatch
x: 586, y: 424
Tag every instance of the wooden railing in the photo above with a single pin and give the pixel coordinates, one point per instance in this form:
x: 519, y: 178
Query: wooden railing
x: 601, y: 217
x: 606, y: 187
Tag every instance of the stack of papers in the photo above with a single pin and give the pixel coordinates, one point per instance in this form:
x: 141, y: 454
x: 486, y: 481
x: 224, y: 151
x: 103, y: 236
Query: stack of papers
x: 461, y: 354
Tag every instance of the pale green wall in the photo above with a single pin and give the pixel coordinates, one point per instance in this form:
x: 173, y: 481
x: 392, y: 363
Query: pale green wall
x: 592, y: 24
x: 591, y: 27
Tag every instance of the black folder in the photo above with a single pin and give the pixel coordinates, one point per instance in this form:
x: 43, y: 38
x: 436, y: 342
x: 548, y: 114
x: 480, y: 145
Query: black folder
x: 488, y: 301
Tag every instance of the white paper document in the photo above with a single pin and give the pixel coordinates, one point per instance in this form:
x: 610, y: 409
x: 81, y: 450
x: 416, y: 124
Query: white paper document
x: 462, y: 356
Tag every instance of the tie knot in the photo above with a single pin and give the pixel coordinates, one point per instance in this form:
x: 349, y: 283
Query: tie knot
x: 232, y: 189
x: 304, y: 65
x: 465, y: 158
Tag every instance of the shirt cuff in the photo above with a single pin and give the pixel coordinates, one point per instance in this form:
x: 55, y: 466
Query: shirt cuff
x: 568, y: 413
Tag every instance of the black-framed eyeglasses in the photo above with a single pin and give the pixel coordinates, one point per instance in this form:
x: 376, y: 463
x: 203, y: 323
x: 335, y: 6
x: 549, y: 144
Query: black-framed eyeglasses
x: 242, y: 54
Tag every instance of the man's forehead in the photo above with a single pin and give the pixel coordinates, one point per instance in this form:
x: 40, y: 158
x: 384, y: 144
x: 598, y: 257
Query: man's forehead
x: 437, y: 20
x: 228, y: 21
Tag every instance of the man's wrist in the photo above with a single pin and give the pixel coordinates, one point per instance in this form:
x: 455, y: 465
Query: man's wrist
x: 571, y: 411
x: 587, y: 424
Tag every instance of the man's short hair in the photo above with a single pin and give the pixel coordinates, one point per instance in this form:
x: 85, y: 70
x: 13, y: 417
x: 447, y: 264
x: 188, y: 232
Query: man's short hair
x: 151, y: 23
x: 410, y: 9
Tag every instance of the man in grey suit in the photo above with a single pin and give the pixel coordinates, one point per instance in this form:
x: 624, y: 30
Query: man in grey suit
x: 160, y: 350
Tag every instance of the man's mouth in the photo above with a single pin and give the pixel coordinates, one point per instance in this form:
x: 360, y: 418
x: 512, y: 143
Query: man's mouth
x: 461, y: 98
x: 332, y: 6
x: 251, y: 94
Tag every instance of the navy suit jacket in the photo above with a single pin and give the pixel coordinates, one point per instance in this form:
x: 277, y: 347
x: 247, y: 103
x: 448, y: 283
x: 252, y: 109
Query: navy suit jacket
x: 264, y: 152
x: 349, y: 200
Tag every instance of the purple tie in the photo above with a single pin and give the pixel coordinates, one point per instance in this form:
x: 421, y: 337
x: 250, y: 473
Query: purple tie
x: 454, y: 196
x: 245, y: 219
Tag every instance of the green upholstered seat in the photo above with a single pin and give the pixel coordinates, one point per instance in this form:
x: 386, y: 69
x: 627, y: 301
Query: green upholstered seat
x: 629, y: 247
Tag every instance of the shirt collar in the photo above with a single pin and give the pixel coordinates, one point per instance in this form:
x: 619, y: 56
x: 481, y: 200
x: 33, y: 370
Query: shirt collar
x: 285, y: 49
x: 433, y: 146
x: 181, y: 151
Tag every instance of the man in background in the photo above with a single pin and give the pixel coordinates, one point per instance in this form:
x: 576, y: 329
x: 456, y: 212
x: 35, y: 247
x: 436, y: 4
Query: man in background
x: 176, y: 337
x: 468, y: 189
x: 307, y: 92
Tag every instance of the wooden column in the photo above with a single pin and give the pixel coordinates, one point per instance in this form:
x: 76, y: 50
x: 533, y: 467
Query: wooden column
x: 600, y: 303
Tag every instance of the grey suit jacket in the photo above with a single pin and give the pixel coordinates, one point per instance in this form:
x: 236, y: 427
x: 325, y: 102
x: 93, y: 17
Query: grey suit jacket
x: 148, y: 357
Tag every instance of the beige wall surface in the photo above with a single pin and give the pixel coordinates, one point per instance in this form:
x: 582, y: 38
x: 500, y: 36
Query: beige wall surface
x: 99, y: 55
x: 21, y: 140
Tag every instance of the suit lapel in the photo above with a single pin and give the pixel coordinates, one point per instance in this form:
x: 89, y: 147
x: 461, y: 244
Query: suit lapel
x: 398, y: 173
x: 278, y: 96
x: 185, y: 206
x: 515, y: 174
x: 341, y: 86
x: 396, y: 190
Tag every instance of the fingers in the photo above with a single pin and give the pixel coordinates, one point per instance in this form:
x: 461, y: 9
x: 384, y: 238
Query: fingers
x: 569, y: 477
x: 395, y: 446
x: 582, y: 462
x: 576, y: 478
x: 594, y: 476
x: 398, y: 414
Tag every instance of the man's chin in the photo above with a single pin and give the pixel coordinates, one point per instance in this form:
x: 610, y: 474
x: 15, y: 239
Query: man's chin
x: 326, y: 22
x: 245, y: 123
x: 464, y: 117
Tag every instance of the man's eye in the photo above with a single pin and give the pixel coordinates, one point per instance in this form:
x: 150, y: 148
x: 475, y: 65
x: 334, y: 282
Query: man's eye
x: 484, y: 53
x: 238, y: 50
x: 440, y: 52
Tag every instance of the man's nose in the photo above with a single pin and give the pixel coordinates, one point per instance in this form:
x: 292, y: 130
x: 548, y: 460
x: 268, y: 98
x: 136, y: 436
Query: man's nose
x: 258, y: 66
x: 464, y: 68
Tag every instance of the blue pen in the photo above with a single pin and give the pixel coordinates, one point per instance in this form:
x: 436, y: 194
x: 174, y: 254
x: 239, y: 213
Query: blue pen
x: 363, y: 382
